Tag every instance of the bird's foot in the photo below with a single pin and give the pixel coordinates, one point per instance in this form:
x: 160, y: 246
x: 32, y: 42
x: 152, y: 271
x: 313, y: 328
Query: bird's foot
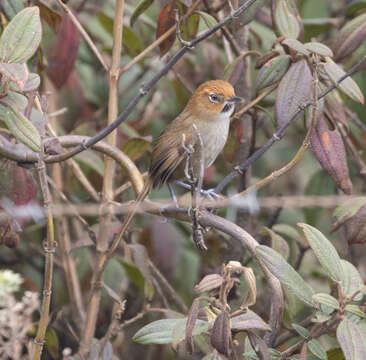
x: 210, y: 193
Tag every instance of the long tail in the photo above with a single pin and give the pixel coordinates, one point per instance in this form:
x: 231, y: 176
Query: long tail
x: 140, y: 197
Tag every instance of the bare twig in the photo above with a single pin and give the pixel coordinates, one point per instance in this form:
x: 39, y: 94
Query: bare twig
x: 83, y: 33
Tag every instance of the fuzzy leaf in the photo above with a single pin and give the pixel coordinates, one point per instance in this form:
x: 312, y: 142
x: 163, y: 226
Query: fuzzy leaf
x: 352, y: 280
x: 272, y: 71
x: 348, y: 85
x: 319, y: 48
x: 327, y: 300
x: 324, y: 251
x: 294, y: 90
x: 303, y: 332
x: 327, y: 145
x: 21, y: 38
x: 286, y: 20
x: 317, y: 349
x: 11, y: 7
x: 161, y: 331
x: 351, y: 36
x: 221, y: 333
x: 355, y: 310
x: 351, y: 339
x: 287, y: 275
x: 297, y: 46
x: 18, y: 73
x: 249, y: 321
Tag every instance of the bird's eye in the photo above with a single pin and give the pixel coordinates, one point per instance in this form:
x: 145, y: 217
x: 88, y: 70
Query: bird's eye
x: 214, y: 98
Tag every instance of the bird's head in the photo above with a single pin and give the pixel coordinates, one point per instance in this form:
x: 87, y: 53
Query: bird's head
x: 213, y: 99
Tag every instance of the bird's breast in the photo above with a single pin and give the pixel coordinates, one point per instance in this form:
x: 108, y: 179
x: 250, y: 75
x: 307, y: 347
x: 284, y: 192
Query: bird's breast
x: 214, y: 136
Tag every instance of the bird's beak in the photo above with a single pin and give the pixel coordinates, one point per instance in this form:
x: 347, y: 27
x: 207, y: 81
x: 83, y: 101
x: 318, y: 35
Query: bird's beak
x: 235, y: 99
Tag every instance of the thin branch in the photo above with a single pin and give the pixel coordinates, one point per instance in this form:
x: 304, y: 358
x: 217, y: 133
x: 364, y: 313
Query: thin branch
x: 83, y: 33
x: 278, y: 134
x: 147, y: 87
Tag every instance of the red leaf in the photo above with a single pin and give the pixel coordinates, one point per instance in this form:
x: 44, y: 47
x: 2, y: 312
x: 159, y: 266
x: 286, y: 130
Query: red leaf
x: 63, y: 52
x: 165, y: 22
x: 328, y: 147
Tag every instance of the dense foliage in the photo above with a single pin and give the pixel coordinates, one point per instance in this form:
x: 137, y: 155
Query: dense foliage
x: 283, y: 276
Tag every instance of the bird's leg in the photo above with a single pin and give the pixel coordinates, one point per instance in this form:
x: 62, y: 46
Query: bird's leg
x: 210, y: 193
x: 172, y: 194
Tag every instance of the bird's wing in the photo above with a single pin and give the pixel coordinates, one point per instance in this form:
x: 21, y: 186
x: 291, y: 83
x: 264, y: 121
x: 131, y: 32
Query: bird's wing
x: 171, y: 151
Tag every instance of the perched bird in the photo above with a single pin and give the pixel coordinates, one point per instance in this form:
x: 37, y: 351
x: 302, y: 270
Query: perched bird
x: 204, y: 123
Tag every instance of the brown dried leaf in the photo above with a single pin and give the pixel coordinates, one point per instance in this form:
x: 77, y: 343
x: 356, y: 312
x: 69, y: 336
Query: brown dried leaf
x: 221, y: 334
x: 51, y: 17
x: 334, y: 108
x: 165, y: 22
x: 294, y: 90
x: 328, y: 148
x: 64, y: 52
x: 250, y: 280
x: 258, y: 343
x: 249, y: 321
x: 208, y: 283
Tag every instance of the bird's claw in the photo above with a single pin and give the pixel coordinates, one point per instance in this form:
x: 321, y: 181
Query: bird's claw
x: 211, y: 194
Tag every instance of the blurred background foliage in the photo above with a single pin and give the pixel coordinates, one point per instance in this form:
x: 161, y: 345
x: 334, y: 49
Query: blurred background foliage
x: 74, y: 81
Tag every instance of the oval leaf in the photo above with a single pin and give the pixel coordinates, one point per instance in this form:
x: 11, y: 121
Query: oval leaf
x: 141, y: 7
x: 297, y: 46
x: 326, y: 299
x: 21, y: 37
x: 352, y: 280
x: 324, y: 251
x: 287, y: 275
x: 319, y: 48
x: 165, y: 22
x: 351, y: 339
x: 272, y: 71
x: 355, y: 310
x: 327, y: 145
x: 317, y: 349
x: 161, y: 331
x: 221, y: 333
x: 17, y: 73
x: 63, y: 52
x: 348, y: 85
x: 294, y: 90
x: 249, y: 321
x: 286, y: 20
x: 303, y: 332
x: 351, y: 36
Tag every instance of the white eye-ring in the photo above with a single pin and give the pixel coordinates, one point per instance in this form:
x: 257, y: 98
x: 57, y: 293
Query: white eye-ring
x: 214, y: 98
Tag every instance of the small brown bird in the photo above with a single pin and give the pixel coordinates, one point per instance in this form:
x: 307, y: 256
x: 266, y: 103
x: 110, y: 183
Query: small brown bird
x: 206, y: 115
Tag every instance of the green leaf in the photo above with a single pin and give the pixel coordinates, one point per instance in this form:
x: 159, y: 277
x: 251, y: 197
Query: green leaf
x: 11, y: 7
x: 318, y: 48
x: 52, y: 343
x: 92, y: 160
x: 285, y: 19
x: 356, y: 6
x: 352, y: 340
x: 297, y: 46
x: 355, y: 310
x: 287, y: 275
x: 17, y: 73
x: 303, y: 332
x: 131, y: 41
x: 21, y: 37
x: 161, y: 331
x: 208, y: 20
x: 349, y: 209
x: 278, y: 243
x: 352, y: 280
x: 141, y: 7
x: 335, y: 354
x: 317, y: 349
x: 348, y: 85
x: 326, y: 299
x: 134, y: 148
x: 189, y: 27
x: 272, y: 71
x: 324, y: 251
x: 21, y: 128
